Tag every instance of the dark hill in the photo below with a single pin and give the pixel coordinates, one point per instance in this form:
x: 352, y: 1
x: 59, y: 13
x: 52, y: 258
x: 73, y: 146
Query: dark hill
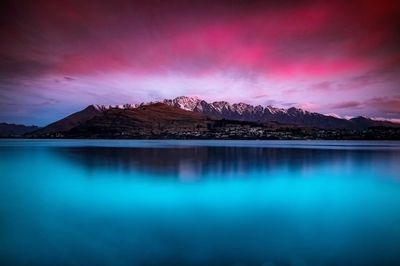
x: 155, y: 120
x: 70, y: 121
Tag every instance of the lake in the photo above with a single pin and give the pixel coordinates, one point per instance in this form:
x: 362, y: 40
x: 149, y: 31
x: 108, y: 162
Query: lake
x: 266, y: 203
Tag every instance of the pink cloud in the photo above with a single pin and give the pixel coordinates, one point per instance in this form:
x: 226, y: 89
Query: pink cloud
x: 393, y: 120
x: 278, y: 41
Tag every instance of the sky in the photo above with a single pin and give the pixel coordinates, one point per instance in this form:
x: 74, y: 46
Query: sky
x: 333, y: 57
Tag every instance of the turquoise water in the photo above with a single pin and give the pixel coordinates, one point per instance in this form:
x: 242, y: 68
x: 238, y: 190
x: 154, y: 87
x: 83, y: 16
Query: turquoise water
x: 80, y: 202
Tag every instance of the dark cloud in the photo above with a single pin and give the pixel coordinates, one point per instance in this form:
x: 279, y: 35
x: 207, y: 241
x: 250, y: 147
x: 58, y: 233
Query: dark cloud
x: 261, y: 96
x: 26, y: 67
x: 323, y: 86
x: 282, y: 38
x: 345, y: 105
x: 387, y: 105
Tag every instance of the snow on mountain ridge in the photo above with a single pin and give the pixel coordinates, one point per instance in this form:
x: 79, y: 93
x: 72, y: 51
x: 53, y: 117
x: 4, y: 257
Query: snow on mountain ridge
x: 194, y: 103
x: 185, y: 103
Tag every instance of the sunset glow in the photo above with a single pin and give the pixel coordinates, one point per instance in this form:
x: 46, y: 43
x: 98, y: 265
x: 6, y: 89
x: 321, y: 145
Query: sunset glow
x: 336, y: 57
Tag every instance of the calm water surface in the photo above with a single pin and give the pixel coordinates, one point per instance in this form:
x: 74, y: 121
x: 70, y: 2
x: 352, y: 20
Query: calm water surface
x: 79, y: 202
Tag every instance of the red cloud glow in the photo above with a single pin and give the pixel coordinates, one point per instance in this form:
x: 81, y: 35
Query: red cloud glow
x: 325, y: 53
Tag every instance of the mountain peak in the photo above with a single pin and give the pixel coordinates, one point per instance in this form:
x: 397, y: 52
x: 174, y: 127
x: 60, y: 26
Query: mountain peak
x: 360, y: 118
x: 184, y: 102
x: 183, y: 97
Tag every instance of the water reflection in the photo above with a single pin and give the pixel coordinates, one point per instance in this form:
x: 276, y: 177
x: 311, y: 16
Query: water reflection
x: 196, y: 163
x: 63, y: 203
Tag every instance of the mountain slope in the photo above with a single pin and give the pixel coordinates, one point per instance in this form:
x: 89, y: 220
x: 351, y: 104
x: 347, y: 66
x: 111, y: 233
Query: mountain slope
x: 154, y: 119
x: 70, y: 121
x: 364, y: 122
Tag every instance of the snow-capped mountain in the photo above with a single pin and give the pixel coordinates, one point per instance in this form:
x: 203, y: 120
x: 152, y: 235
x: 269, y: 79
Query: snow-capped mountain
x: 221, y: 108
x: 246, y: 112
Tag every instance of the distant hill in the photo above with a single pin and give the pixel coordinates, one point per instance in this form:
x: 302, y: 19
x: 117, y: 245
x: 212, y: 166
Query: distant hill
x: 365, y: 122
x: 11, y: 130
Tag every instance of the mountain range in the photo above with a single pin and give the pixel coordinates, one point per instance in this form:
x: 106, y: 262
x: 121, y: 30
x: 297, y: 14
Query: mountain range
x: 191, y: 117
x: 296, y: 116
x: 222, y: 110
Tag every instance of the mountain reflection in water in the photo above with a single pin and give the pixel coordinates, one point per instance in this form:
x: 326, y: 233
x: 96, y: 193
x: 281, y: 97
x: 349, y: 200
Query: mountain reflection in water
x: 216, y: 162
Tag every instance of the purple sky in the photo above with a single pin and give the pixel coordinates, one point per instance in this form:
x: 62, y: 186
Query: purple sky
x: 332, y: 57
